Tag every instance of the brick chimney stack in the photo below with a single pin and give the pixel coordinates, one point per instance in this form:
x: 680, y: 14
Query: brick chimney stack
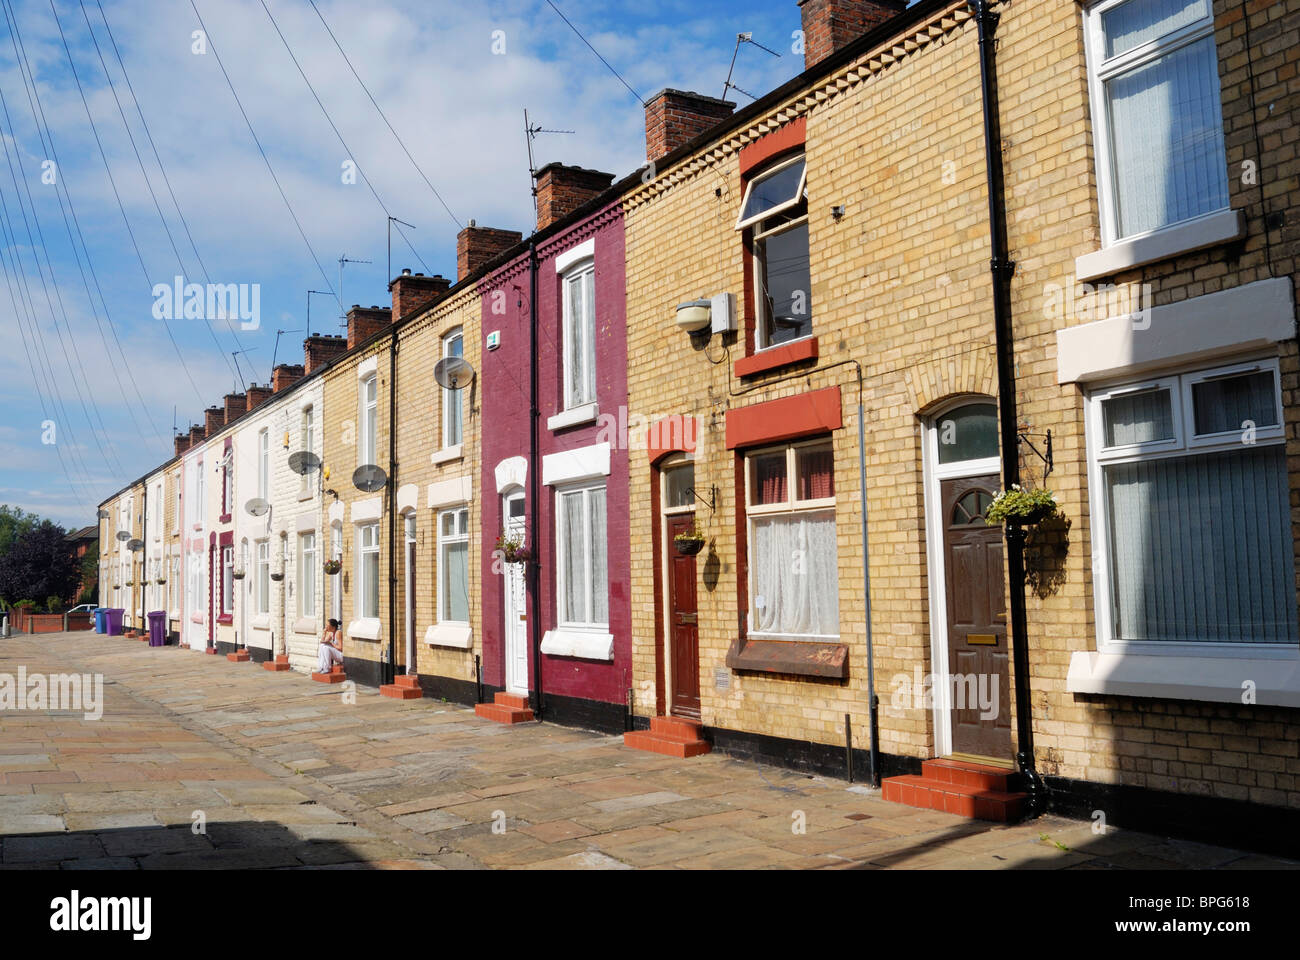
x: 285, y: 376
x: 412, y: 292
x: 477, y: 245
x: 236, y: 406
x: 320, y: 349
x: 214, y: 418
x: 182, y: 443
x: 258, y: 395
x: 829, y: 25
x: 676, y: 117
x: 197, y: 435
x: 561, y: 190
x: 365, y: 322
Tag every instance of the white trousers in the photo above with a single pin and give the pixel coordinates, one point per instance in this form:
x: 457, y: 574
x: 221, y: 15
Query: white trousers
x: 328, y: 657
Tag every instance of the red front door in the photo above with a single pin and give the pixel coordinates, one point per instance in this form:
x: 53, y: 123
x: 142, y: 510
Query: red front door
x: 684, y: 635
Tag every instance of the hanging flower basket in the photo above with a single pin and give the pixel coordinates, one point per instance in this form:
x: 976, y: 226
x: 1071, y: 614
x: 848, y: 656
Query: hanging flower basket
x: 162, y: 580
x: 332, y: 567
x: 689, y: 542
x: 237, y: 574
x: 513, y: 549
x: 1020, y: 507
x: 277, y: 577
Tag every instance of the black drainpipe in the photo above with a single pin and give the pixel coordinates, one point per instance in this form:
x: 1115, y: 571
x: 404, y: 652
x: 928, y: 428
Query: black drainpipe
x: 389, y: 670
x: 534, y: 504
x: 1003, y: 268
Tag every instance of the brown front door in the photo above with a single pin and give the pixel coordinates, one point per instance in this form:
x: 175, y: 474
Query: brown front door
x: 684, y: 634
x: 979, y: 674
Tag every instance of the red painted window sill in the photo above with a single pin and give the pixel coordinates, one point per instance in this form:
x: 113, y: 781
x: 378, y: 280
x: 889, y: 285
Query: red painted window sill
x: 798, y: 657
x: 226, y: 618
x: 776, y: 357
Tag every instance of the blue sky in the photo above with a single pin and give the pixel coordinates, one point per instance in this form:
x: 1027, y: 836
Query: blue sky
x: 108, y: 376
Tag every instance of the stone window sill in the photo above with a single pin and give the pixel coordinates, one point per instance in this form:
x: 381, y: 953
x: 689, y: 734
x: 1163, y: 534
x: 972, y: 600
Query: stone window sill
x: 1164, y: 244
x: 800, y: 657
x: 574, y: 417
x: 774, y: 358
x: 1275, y: 682
x: 448, y: 454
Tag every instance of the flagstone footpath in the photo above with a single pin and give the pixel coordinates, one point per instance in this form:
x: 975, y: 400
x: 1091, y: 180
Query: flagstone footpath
x: 281, y: 772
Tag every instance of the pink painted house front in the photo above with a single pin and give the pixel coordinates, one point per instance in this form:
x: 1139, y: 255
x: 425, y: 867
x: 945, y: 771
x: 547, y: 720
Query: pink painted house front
x: 557, y: 626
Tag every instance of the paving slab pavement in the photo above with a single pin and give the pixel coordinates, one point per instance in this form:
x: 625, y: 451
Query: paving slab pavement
x: 198, y: 763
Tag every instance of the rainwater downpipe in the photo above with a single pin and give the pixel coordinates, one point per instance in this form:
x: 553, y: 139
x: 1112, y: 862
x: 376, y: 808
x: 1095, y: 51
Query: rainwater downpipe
x: 1003, y: 268
x: 534, y: 505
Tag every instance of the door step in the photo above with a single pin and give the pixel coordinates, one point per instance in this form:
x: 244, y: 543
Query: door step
x: 974, y: 790
x: 405, y: 687
x: 670, y: 736
x: 278, y: 665
x: 336, y: 675
x: 239, y: 656
x: 505, y: 708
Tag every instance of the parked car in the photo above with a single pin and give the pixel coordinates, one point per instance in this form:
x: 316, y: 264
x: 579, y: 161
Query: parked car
x: 84, y: 608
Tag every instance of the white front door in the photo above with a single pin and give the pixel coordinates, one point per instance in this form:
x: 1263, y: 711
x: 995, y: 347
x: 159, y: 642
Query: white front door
x: 410, y: 594
x: 516, y: 615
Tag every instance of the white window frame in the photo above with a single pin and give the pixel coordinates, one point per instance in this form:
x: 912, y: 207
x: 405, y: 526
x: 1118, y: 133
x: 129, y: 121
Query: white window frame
x: 1100, y: 71
x: 363, y: 586
x: 762, y: 319
x: 447, y: 540
x: 307, y: 442
x: 307, y: 563
x: 227, y: 585
x: 584, y: 272
x: 264, y: 463
x: 767, y: 174
x: 790, y: 507
x: 202, y: 483
x: 336, y: 585
x: 560, y: 558
x: 262, y: 577
x: 452, y: 400
x: 369, y: 419
x: 1186, y: 443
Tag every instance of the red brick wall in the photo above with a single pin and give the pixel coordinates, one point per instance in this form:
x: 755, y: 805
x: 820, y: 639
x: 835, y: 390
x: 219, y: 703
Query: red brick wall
x: 476, y: 246
x: 285, y: 375
x: 236, y: 404
x: 319, y: 349
x: 412, y: 292
x: 561, y: 190
x: 363, y: 323
x: 829, y: 25
x: 214, y: 418
x: 675, y: 117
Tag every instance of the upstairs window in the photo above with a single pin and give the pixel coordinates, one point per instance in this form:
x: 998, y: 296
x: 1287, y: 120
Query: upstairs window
x: 1157, y: 119
x: 453, y: 345
x: 307, y: 443
x: 369, y: 419
x: 775, y: 211
x: 580, y: 335
x: 264, y: 464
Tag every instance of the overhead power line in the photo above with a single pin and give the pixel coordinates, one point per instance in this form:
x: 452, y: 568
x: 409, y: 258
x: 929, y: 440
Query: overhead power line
x: 384, y: 116
x: 640, y: 99
x: 265, y: 159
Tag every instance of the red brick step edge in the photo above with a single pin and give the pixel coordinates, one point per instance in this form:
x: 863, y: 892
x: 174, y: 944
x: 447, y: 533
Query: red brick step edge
x: 336, y: 675
x: 505, y: 708
x: 959, y: 787
x: 670, y: 736
x: 404, y: 687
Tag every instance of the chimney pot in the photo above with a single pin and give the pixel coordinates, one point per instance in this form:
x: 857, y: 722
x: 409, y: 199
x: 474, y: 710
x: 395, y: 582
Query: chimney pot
x: 476, y: 246
x: 829, y: 25
x: 413, y: 292
x: 285, y: 376
x: 562, y: 189
x: 676, y: 117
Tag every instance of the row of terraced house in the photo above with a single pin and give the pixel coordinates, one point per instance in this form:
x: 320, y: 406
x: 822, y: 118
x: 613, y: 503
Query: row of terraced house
x: 705, y: 458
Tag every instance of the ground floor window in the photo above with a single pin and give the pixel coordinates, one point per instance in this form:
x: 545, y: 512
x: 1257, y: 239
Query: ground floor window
x: 368, y: 571
x: 307, y: 575
x: 453, y: 565
x: 582, y: 558
x: 793, y: 561
x: 227, y: 580
x: 1190, y: 476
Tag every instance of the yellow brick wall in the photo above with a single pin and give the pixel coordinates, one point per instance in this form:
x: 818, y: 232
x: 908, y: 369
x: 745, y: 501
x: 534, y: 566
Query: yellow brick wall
x: 419, y: 437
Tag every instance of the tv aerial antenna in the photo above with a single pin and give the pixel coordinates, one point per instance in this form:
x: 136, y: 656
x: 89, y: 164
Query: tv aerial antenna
x: 531, y: 131
x: 343, y: 315
x: 278, y: 333
x: 234, y: 355
x: 741, y: 38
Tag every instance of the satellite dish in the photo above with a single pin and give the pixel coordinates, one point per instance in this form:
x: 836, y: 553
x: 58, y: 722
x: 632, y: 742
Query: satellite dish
x: 368, y: 478
x: 303, y: 462
x: 124, y: 534
x: 452, y: 373
x: 257, y: 507
x: 134, y: 545
x: 104, y: 514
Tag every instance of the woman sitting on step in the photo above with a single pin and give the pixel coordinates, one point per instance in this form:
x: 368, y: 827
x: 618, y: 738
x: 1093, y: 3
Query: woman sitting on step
x: 331, y: 648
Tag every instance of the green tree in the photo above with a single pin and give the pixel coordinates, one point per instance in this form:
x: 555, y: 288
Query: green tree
x: 39, y: 563
x: 14, y: 521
